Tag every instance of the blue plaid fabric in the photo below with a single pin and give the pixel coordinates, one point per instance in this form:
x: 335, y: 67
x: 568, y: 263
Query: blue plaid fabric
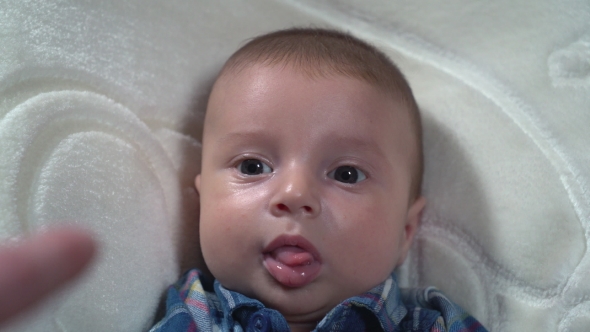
x: 197, y: 304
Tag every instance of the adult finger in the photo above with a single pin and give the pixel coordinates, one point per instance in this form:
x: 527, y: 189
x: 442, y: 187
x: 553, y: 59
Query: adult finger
x: 35, y: 267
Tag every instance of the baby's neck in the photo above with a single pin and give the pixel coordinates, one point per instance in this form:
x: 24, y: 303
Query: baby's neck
x: 301, y: 327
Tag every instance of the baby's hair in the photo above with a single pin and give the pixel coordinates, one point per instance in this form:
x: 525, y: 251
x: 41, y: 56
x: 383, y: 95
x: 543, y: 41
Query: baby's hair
x: 324, y: 53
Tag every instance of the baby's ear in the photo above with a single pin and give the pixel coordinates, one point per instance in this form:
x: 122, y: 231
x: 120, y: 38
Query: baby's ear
x: 198, y: 183
x: 412, y: 223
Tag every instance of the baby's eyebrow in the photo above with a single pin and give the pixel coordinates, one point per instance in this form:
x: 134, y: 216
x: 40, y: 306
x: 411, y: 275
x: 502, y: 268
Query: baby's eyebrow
x: 243, y: 136
x: 349, y: 142
x: 333, y: 141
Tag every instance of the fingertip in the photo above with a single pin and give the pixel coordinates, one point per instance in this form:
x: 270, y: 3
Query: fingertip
x: 67, y: 251
x: 39, y: 265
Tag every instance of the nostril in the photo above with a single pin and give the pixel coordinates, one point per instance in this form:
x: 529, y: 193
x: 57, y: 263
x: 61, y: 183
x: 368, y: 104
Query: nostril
x: 285, y: 208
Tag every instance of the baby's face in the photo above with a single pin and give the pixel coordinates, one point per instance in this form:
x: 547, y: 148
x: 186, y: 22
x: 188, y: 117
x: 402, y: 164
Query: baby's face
x: 304, y: 188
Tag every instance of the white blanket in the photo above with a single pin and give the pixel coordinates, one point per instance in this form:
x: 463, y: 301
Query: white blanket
x: 101, y: 106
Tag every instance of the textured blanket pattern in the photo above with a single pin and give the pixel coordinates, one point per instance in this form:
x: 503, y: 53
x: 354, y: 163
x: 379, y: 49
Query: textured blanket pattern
x: 101, y: 107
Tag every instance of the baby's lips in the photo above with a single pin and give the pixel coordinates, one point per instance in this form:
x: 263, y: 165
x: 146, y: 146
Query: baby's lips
x: 292, y: 276
x: 292, y: 261
x: 292, y: 256
x: 292, y: 248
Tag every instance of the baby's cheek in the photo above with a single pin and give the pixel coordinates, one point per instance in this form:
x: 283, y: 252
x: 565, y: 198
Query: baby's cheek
x: 224, y: 222
x: 228, y: 229
x: 377, y: 238
x: 220, y: 244
x: 377, y: 243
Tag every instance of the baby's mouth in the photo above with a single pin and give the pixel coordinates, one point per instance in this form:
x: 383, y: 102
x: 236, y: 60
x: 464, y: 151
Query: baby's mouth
x: 292, y: 261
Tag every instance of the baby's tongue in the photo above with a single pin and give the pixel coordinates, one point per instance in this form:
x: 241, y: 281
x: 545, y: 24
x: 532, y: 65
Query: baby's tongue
x: 292, y: 256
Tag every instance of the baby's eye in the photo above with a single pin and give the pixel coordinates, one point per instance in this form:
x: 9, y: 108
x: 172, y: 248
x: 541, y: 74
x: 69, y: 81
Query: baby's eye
x: 347, y: 174
x: 253, y: 167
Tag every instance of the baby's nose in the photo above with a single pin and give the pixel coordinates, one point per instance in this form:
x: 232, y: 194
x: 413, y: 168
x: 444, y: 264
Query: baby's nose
x: 296, y: 193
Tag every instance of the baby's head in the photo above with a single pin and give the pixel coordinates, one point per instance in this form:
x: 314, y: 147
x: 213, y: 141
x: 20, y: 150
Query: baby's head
x: 311, y: 174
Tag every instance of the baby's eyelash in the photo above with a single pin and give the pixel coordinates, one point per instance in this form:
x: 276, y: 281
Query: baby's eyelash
x: 253, y: 166
x: 347, y: 174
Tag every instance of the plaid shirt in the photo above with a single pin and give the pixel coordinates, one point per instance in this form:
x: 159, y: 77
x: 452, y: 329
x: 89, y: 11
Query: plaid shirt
x: 197, y: 304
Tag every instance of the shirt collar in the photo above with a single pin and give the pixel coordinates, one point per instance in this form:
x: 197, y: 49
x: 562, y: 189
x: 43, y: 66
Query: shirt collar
x: 248, y: 312
x: 383, y: 301
x: 232, y: 301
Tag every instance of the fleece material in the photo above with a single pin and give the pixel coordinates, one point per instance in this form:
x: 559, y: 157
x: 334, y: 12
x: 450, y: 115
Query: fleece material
x: 101, y: 109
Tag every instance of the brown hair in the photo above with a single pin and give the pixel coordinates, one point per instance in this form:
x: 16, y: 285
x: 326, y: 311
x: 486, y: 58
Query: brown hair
x: 322, y: 53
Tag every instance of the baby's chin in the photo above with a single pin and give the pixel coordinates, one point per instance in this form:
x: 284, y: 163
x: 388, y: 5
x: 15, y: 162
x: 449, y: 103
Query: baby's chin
x: 300, y: 305
x: 308, y: 304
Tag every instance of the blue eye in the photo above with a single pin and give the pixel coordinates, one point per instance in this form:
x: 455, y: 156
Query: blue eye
x: 347, y: 174
x: 253, y: 167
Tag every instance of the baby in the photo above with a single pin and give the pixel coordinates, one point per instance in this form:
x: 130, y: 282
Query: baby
x: 310, y: 195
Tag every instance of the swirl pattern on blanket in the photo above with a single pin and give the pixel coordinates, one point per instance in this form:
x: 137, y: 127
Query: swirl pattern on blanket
x: 98, y: 127
x: 506, y: 230
x: 79, y: 157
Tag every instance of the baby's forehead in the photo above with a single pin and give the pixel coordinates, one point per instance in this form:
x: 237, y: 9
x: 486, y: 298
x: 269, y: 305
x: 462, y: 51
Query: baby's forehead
x: 310, y: 70
x: 232, y: 83
x: 239, y: 82
x: 278, y: 80
x: 241, y: 76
